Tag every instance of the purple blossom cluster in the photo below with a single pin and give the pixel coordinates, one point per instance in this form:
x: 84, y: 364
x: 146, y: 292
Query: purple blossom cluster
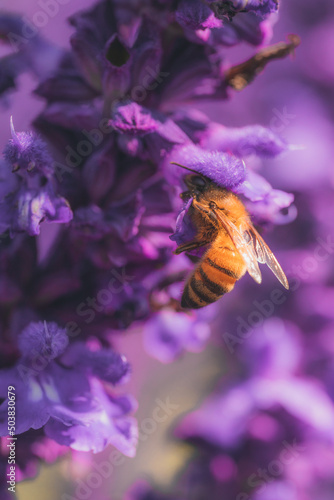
x: 121, y: 110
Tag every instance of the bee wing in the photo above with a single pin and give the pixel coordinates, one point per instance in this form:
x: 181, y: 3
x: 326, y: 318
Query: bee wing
x: 253, y: 249
x: 265, y: 256
x: 244, y: 247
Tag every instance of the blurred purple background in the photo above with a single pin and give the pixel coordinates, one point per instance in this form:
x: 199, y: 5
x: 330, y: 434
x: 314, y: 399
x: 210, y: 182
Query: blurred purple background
x: 277, y: 387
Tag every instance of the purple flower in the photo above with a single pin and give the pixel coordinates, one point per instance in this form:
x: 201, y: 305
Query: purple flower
x: 67, y: 84
x: 225, y: 22
x: 272, y: 382
x: 184, y: 230
x: 27, y: 154
x: 278, y: 490
x: 265, y: 203
x: 31, y: 53
x: 10, y: 68
x: 226, y: 8
x: 34, y: 207
x: 133, y: 119
x: 29, y: 194
x: 224, y: 169
x: 115, y: 61
x: 168, y: 334
x: 244, y: 141
x: 196, y: 15
x: 61, y: 389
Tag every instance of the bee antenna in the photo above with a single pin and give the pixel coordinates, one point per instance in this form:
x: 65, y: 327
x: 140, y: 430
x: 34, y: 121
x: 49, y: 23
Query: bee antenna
x: 190, y: 169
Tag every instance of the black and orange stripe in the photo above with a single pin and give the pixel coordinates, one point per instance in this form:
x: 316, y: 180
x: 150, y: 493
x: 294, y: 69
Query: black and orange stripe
x: 209, y: 282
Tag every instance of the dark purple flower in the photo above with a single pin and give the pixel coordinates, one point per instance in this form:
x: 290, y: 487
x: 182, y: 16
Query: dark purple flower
x: 27, y: 153
x: 29, y: 196
x: 67, y: 84
x: 46, y: 339
x: 10, y: 68
x: 60, y: 388
x: 133, y: 119
x: 228, y: 8
x: 184, y: 230
x: 195, y: 15
x: 31, y: 53
x: 116, y: 61
x: 225, y: 22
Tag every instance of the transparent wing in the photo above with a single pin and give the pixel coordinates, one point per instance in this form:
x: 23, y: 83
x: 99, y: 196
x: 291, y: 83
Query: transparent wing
x: 244, y: 247
x: 253, y: 249
x: 266, y: 256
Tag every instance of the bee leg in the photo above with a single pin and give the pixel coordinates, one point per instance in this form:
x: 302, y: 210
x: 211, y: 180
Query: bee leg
x: 191, y: 245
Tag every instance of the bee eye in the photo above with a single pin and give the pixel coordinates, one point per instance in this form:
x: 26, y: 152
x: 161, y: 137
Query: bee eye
x: 198, y: 181
x: 212, y: 205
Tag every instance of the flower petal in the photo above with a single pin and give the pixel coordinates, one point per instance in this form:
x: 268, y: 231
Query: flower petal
x: 244, y: 141
x: 224, y: 169
x: 195, y: 15
x: 168, y: 334
x: 184, y: 229
x: 266, y: 204
x: 33, y: 207
x: 46, y: 339
x: 131, y: 118
x: 94, y: 430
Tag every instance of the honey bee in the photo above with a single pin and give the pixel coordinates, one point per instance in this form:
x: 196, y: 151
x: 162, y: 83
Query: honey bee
x: 233, y: 244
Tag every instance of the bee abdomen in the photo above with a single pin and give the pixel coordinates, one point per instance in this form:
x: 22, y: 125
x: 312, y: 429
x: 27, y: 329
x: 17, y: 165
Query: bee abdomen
x: 216, y: 288
x: 211, y: 280
x: 190, y: 300
x: 223, y: 270
x: 201, y: 290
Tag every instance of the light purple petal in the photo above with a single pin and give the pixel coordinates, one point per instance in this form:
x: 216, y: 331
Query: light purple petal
x: 34, y: 207
x: 276, y: 490
x: 234, y: 408
x: 244, y: 141
x: 104, y: 424
x: 266, y: 204
x: 168, y: 334
x: 295, y: 394
x: 274, y: 349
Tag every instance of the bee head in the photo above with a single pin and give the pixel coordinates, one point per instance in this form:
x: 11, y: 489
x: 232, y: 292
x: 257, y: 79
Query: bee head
x: 197, y: 184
